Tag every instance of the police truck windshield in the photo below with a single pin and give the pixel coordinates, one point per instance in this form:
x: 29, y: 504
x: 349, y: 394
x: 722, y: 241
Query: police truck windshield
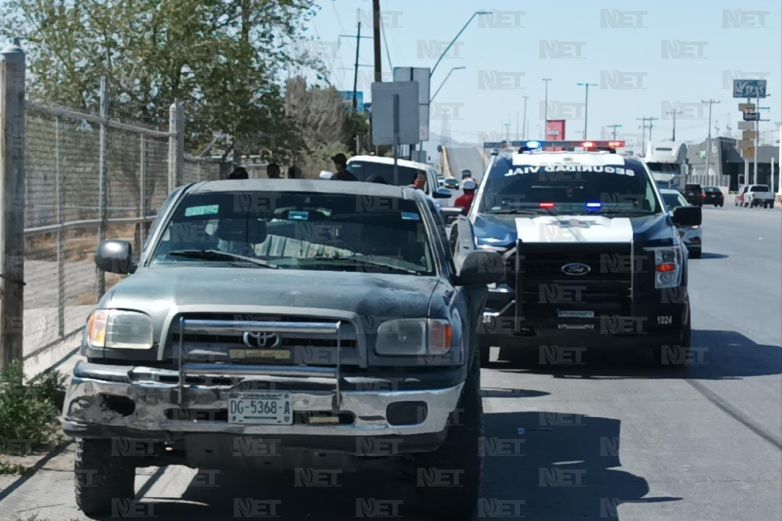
x: 569, y: 188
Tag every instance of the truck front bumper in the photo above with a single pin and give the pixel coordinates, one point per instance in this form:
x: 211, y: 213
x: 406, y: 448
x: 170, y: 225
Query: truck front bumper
x: 109, y: 401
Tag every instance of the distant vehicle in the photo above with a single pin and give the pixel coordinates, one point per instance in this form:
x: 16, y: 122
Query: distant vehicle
x: 691, y: 235
x: 755, y: 195
x: 452, y: 183
x: 667, y: 160
x: 713, y: 195
x: 466, y: 173
x: 365, y: 167
x: 693, y: 194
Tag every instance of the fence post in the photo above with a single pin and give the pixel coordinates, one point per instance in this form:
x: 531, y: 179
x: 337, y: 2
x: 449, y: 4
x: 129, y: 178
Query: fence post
x: 12, y: 190
x: 142, y: 191
x: 59, y: 186
x: 103, y: 177
x: 176, y: 145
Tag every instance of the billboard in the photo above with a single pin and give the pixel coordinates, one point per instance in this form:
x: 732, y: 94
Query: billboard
x: 749, y: 88
x: 347, y: 97
x: 555, y: 130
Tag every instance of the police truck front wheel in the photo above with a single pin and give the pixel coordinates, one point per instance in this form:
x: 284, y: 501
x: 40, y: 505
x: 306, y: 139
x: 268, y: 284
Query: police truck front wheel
x: 448, y: 481
x: 101, y: 479
x: 675, y: 352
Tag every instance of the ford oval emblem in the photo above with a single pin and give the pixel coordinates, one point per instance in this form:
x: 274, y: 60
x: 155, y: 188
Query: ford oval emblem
x: 575, y: 269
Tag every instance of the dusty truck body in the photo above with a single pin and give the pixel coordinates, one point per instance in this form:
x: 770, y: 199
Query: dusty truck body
x: 327, y: 316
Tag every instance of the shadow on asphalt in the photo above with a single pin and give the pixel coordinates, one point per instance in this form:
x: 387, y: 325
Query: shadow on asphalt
x: 566, y: 470
x: 543, y: 465
x: 709, y: 255
x: 714, y: 355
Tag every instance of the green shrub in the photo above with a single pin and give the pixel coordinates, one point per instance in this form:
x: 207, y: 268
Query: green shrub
x: 28, y: 412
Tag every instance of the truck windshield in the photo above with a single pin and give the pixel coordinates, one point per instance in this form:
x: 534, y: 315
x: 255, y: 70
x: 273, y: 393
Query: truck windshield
x: 570, y: 188
x: 664, y: 168
x: 759, y: 188
x: 298, y: 230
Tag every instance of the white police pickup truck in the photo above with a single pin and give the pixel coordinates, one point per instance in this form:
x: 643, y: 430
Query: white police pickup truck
x: 593, y: 258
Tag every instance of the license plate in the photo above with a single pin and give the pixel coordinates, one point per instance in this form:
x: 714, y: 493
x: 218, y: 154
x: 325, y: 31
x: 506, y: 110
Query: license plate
x: 259, y: 408
x: 575, y: 314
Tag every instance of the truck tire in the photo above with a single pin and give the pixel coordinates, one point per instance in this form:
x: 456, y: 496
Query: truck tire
x: 459, y: 453
x: 674, y: 355
x: 101, y: 478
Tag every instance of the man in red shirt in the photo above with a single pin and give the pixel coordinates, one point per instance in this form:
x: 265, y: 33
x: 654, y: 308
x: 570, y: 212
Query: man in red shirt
x: 465, y: 201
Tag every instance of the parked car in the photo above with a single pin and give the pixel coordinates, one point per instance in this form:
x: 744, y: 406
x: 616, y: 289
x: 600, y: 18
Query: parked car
x: 713, y: 195
x: 693, y: 193
x: 691, y: 234
x: 381, y: 170
x: 466, y: 173
x: 755, y: 195
x: 451, y: 183
x: 330, y: 319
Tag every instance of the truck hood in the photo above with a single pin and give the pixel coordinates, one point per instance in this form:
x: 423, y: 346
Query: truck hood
x: 502, y: 231
x: 156, y: 290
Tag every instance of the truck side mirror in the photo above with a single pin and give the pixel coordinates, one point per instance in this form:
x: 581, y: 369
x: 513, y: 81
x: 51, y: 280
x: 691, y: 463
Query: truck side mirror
x: 480, y: 268
x: 115, y: 257
x: 687, y: 216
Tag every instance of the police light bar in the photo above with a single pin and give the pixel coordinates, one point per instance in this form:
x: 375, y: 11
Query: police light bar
x: 532, y: 145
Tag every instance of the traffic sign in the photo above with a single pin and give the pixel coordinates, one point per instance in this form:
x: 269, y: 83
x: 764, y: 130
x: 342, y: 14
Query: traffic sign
x: 395, y: 113
x: 749, y: 88
x: 419, y: 75
x: 746, y: 143
x: 746, y: 125
x: 748, y: 153
x: 749, y: 134
x: 747, y: 107
x: 752, y: 116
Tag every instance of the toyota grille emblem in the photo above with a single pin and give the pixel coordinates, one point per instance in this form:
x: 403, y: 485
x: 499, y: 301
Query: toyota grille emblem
x: 260, y: 339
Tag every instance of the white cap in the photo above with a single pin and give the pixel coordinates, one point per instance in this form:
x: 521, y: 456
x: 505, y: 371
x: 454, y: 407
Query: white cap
x: 469, y: 184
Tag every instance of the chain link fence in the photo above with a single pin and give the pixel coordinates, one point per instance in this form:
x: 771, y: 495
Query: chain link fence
x: 86, y: 177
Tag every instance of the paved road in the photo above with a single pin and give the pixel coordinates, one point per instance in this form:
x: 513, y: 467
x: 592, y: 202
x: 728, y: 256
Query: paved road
x: 611, y: 439
x: 460, y: 158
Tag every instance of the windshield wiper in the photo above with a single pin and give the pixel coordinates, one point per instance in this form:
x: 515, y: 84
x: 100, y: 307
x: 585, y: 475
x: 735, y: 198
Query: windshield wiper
x: 221, y: 255
x: 364, y: 261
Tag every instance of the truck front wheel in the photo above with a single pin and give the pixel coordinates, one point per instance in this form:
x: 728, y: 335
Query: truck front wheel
x: 101, y: 478
x: 448, y: 481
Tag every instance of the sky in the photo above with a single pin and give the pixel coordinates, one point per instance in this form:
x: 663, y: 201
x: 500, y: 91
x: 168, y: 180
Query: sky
x: 645, y: 58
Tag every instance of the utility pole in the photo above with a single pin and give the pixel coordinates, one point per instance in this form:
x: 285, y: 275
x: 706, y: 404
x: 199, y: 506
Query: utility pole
x: 673, y: 114
x: 376, y: 38
x: 524, y: 120
x: 708, y: 138
x: 586, y: 104
x: 651, y: 125
x: 613, y: 130
x: 356, y: 65
x: 545, y: 106
x: 643, y: 133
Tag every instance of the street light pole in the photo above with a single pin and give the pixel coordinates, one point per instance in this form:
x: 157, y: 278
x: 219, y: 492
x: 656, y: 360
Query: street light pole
x: 545, y: 106
x: 708, y: 138
x: 524, y: 120
x: 586, y: 104
x: 461, y: 67
x: 476, y: 13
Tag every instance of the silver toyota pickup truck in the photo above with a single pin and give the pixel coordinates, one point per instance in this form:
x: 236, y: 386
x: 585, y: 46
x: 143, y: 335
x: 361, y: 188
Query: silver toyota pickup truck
x: 318, y: 316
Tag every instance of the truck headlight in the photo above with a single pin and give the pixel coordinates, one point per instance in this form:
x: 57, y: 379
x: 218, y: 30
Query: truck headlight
x: 414, y: 336
x: 119, y: 329
x: 667, y: 267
